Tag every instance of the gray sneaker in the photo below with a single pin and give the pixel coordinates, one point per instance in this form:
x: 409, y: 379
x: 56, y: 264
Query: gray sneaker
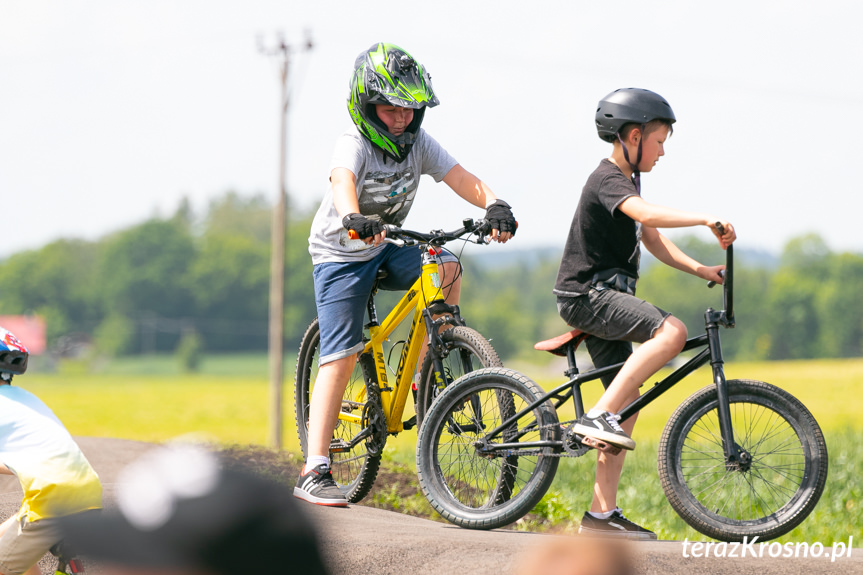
x: 604, y: 427
x: 317, y: 486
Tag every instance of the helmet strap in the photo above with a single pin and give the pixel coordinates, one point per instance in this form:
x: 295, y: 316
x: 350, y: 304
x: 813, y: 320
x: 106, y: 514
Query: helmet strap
x: 636, y: 173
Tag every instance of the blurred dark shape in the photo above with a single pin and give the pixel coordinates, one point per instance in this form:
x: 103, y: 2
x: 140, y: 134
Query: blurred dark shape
x: 178, y: 511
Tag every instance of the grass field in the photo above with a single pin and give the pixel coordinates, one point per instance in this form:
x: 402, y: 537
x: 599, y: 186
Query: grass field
x: 149, y: 399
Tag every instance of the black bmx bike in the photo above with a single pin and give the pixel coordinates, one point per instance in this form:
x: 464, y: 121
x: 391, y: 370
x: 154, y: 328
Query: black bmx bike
x: 739, y: 458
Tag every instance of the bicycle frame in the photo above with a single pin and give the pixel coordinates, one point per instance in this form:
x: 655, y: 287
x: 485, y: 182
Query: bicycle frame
x: 424, y: 298
x: 712, y: 353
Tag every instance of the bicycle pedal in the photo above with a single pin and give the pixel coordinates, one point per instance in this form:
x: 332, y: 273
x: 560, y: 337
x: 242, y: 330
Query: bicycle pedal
x: 600, y: 445
x: 410, y: 423
x: 339, y: 447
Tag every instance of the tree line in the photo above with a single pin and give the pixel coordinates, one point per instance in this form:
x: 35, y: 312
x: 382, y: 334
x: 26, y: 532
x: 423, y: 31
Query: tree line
x: 147, y: 288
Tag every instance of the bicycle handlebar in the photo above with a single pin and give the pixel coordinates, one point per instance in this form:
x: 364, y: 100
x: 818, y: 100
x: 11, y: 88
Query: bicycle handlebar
x: 401, y: 237
x: 727, y: 280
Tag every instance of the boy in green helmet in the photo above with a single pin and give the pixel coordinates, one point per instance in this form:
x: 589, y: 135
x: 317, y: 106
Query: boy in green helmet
x: 374, y: 174
x: 595, y: 285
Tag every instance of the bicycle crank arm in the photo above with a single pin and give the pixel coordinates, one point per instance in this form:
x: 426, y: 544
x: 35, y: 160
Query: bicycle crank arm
x: 342, y: 446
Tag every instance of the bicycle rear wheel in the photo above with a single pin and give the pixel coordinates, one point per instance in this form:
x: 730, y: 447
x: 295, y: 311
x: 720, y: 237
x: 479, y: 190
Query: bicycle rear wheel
x: 465, y: 350
x: 353, y: 470
x: 772, y: 489
x: 464, y: 478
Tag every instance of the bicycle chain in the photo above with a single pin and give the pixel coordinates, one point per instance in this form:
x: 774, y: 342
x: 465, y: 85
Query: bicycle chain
x: 568, y: 451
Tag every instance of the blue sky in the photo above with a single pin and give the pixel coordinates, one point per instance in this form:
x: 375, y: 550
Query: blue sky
x: 111, y: 112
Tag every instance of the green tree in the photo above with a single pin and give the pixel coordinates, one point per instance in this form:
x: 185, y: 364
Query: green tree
x: 230, y: 282
x: 56, y: 282
x: 793, y: 316
x: 837, y: 304
x: 143, y: 272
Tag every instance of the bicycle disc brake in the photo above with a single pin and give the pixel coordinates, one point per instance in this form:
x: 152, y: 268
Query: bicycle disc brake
x: 373, y: 417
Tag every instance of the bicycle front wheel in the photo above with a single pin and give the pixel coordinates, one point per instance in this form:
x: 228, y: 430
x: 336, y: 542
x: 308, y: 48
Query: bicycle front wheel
x: 470, y: 478
x: 355, y: 469
x: 465, y: 350
x: 776, y: 483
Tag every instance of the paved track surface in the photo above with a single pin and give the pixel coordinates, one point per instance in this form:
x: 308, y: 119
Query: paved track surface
x: 366, y: 541
x: 362, y: 540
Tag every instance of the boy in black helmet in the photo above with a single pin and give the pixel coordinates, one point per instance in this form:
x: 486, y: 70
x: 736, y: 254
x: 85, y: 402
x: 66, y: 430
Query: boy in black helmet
x: 595, y: 285
x: 374, y: 176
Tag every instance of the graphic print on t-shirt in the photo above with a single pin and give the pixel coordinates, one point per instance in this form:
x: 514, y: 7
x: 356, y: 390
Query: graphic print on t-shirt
x: 636, y: 255
x: 388, y: 195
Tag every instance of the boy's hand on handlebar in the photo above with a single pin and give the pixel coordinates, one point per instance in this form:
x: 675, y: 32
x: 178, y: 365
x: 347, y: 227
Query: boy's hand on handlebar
x: 712, y: 273
x: 503, y: 224
x: 724, y: 232
x: 366, y: 229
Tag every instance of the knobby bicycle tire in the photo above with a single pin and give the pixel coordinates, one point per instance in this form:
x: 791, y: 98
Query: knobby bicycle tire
x: 765, y: 498
x: 465, y: 350
x: 486, y: 490
x: 355, y: 471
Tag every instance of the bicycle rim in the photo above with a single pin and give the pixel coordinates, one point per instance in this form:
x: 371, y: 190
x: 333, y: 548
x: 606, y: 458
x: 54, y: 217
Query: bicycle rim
x: 766, y: 495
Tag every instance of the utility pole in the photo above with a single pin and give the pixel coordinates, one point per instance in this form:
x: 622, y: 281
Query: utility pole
x: 281, y: 52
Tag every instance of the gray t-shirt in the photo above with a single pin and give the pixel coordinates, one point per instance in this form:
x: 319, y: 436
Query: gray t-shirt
x: 385, y: 191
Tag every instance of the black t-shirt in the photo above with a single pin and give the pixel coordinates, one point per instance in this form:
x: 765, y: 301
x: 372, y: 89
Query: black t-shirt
x: 602, y: 239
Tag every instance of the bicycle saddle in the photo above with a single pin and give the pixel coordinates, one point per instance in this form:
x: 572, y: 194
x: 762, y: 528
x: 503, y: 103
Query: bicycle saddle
x: 557, y: 345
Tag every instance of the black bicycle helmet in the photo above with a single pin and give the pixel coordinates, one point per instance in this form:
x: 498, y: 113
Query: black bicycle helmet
x: 13, y: 355
x: 627, y: 106
x: 386, y: 74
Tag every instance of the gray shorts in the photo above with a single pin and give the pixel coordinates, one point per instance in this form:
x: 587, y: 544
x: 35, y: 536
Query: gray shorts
x: 25, y: 542
x: 614, y: 320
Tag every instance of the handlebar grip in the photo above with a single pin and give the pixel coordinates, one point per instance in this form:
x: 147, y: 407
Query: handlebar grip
x: 712, y: 283
x: 352, y: 234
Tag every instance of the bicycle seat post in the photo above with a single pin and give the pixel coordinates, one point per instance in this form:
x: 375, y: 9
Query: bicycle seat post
x: 571, y: 372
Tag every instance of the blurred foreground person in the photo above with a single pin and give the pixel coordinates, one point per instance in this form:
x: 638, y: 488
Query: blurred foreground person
x: 578, y: 555
x: 179, y: 512
x: 54, y: 475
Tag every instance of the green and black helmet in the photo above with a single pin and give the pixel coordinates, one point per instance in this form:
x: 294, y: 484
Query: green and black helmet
x: 386, y: 74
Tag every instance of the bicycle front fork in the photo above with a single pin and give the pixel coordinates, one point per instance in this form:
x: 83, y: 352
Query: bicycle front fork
x: 735, y: 457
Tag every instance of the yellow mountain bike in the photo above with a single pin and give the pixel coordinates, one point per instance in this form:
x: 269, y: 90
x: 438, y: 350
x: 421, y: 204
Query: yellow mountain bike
x: 374, y: 402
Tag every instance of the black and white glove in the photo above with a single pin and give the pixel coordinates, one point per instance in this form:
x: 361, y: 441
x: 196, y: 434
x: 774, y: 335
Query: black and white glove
x: 364, y: 227
x: 499, y: 215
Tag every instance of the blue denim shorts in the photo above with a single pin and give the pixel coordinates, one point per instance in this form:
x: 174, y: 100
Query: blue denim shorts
x: 342, y: 291
x: 615, y: 320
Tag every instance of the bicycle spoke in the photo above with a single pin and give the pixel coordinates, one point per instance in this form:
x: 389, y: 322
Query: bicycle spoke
x: 476, y: 481
x: 765, y: 484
